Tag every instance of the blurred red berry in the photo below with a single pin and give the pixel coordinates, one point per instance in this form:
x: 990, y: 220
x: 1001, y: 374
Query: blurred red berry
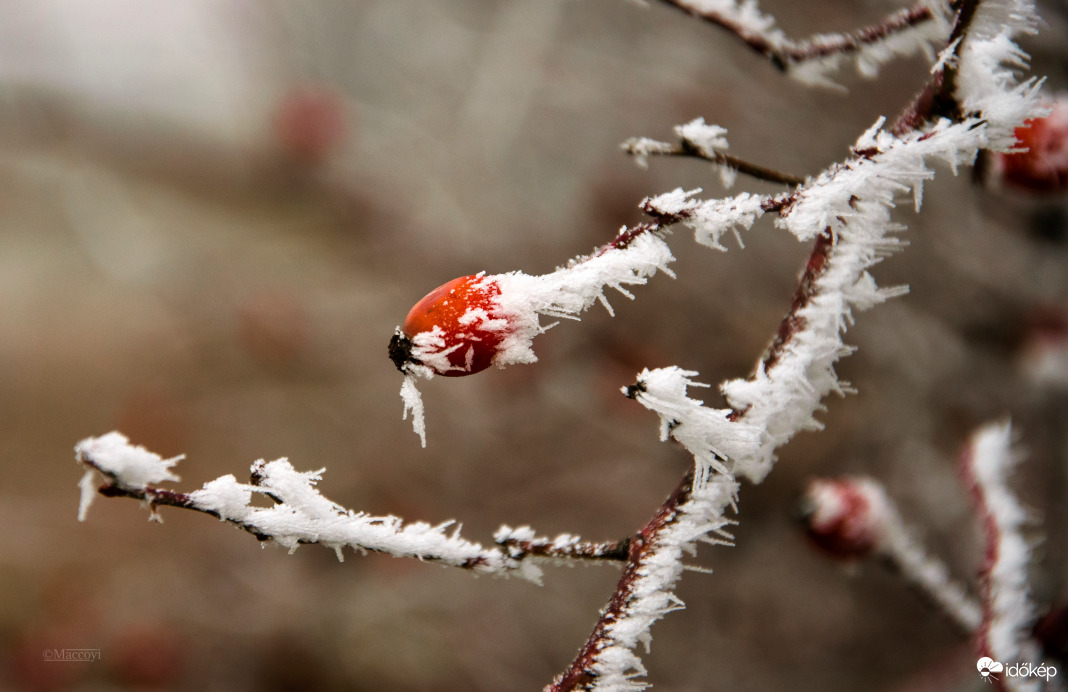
x: 464, y: 314
x: 35, y: 663
x: 1043, y: 346
x: 841, y: 516
x: 1044, y: 166
x: 147, y: 654
x: 1051, y: 630
x: 310, y: 123
x: 273, y: 327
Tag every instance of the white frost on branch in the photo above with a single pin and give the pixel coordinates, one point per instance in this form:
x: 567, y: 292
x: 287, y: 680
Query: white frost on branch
x: 851, y: 517
x: 698, y: 138
x: 852, y: 201
x: 709, y: 141
x: 701, y: 517
x: 887, y: 166
x: 947, y: 58
x: 745, y: 15
x: 989, y: 69
x: 816, y: 60
x: 574, y: 288
x: 782, y: 400
x: 710, y: 219
x: 134, y: 464
x: 1008, y: 613
x: 707, y: 433
x: 920, y: 568
x: 641, y: 148
x: 300, y: 514
x: 651, y: 594
x: 868, y: 56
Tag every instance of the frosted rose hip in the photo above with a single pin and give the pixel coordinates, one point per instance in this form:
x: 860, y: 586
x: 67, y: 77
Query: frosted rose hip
x: 455, y: 330
x: 843, y: 517
x: 1044, y: 166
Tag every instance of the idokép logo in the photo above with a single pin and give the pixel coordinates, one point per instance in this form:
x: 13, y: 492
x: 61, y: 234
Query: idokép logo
x: 992, y: 670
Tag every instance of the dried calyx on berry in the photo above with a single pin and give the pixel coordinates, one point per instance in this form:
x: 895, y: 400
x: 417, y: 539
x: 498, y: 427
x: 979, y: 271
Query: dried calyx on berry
x: 400, y: 349
x: 455, y: 330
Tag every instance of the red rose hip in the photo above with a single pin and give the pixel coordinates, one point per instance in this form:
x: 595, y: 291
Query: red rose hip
x: 455, y: 330
x: 1043, y: 167
x: 843, y: 516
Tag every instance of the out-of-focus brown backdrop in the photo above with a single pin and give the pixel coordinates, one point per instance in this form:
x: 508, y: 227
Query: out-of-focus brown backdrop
x: 213, y: 214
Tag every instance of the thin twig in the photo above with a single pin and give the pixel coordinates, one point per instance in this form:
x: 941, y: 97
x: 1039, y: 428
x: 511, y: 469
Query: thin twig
x: 521, y: 543
x: 939, y: 96
x: 160, y: 497
x: 686, y: 149
x: 512, y: 545
x: 783, y: 52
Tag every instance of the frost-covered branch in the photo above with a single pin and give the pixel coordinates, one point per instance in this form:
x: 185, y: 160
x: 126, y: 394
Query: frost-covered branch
x: 846, y: 211
x: 299, y: 514
x: 1008, y: 613
x: 855, y: 518
x: 814, y: 60
x: 645, y: 592
x: 524, y: 542
x: 700, y: 140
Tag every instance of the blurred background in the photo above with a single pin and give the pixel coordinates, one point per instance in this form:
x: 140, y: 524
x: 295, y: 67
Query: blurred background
x: 214, y: 213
